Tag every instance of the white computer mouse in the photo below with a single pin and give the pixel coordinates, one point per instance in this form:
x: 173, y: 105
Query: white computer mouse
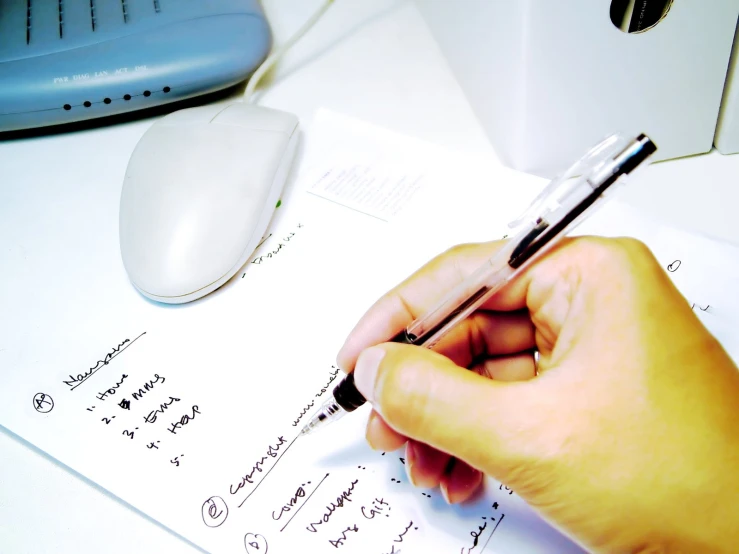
x: 199, y: 192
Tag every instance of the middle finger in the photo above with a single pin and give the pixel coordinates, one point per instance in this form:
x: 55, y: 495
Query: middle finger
x: 488, y: 334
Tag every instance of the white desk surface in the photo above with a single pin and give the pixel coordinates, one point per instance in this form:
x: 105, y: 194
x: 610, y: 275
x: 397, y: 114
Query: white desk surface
x: 372, y: 59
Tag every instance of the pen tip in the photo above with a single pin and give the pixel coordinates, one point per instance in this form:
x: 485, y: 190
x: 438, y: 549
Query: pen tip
x: 306, y: 429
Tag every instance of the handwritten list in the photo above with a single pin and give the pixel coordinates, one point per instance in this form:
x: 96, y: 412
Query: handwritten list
x: 191, y: 413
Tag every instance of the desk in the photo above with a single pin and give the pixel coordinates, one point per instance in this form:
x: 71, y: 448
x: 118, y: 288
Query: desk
x: 372, y: 59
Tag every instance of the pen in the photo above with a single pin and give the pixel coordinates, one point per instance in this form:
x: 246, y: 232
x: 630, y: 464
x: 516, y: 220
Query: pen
x: 563, y: 204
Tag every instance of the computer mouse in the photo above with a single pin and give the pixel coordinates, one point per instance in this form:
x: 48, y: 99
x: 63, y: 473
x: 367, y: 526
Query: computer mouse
x: 198, y: 195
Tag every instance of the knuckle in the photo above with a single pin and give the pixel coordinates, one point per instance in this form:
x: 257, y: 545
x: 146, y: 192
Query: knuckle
x: 461, y: 259
x: 607, y: 254
x: 618, y: 271
x: 466, y: 250
x: 633, y: 249
x: 456, y: 250
x: 454, y: 254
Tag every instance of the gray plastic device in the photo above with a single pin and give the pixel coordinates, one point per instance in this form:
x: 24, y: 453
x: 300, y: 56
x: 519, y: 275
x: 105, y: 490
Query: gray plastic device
x: 63, y: 61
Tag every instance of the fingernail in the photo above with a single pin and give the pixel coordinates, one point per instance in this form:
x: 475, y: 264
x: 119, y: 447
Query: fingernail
x: 374, y: 428
x: 410, y: 459
x: 365, y: 372
x: 460, y: 483
x: 340, y: 356
x: 444, y: 491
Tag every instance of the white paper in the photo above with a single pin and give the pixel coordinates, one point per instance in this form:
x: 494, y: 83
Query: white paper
x: 190, y: 413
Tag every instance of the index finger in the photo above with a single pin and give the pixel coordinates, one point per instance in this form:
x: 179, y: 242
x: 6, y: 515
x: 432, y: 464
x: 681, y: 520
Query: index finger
x: 421, y: 291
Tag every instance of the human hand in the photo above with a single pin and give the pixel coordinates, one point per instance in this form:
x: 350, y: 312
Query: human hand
x: 627, y: 438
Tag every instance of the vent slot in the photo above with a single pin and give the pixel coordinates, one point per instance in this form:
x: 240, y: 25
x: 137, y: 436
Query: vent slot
x: 44, y: 22
x: 93, y: 17
x: 28, y: 21
x: 61, y: 19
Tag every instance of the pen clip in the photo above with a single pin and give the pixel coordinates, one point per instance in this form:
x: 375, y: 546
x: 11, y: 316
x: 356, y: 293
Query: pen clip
x: 559, y: 187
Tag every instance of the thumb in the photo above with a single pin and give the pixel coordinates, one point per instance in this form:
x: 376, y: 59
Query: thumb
x: 425, y: 396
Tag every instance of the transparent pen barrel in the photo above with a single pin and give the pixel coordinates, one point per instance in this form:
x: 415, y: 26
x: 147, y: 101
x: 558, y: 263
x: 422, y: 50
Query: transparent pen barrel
x: 464, y: 299
x: 558, y: 210
x: 531, y: 242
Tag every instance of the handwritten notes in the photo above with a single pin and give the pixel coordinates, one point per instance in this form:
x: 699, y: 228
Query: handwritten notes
x: 191, y: 413
x: 75, y: 381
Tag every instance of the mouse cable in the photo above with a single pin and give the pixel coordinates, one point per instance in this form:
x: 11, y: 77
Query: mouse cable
x: 280, y: 51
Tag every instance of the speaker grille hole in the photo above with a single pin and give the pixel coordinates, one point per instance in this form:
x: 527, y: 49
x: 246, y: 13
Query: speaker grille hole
x: 93, y: 16
x: 28, y: 22
x: 60, y: 9
x: 166, y: 89
x: 67, y: 107
x: 87, y: 104
x: 147, y: 93
x: 126, y: 97
x: 107, y: 100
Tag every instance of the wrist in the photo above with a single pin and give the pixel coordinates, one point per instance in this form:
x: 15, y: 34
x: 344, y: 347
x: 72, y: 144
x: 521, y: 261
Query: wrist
x: 705, y: 505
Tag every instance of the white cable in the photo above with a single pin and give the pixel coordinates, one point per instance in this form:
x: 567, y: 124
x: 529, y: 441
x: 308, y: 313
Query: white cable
x: 279, y: 52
